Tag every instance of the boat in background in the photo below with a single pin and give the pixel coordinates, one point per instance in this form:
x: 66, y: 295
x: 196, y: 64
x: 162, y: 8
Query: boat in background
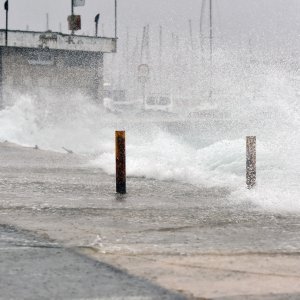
x: 158, y: 102
x: 116, y: 101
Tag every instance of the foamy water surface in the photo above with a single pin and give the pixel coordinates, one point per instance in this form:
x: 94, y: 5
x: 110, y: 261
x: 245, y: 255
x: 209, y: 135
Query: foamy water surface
x: 155, y: 152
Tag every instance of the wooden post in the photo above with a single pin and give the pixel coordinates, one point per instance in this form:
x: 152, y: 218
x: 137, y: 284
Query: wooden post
x: 251, y: 161
x: 120, y: 162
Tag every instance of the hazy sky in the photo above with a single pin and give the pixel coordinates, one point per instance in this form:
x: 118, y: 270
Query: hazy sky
x: 274, y: 19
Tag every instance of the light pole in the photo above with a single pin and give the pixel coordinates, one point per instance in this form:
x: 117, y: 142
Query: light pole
x: 6, y: 27
x: 72, y: 7
x: 96, y: 24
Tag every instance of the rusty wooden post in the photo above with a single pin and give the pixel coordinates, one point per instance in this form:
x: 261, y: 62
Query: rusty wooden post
x: 251, y: 161
x: 120, y: 162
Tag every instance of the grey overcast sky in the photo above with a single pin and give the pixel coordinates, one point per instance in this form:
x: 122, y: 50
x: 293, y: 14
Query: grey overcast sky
x: 276, y: 19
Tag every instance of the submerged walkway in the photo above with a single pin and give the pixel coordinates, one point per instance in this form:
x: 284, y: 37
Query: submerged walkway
x: 186, y: 239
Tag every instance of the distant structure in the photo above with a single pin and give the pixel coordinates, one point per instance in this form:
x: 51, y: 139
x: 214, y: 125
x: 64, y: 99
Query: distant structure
x: 61, y: 64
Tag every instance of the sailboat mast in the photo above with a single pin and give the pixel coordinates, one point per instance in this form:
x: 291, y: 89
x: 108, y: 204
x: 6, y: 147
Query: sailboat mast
x: 211, y: 47
x: 143, y: 44
x: 160, y: 49
x: 201, y: 24
x: 191, y: 34
x: 211, y: 29
x: 160, y: 41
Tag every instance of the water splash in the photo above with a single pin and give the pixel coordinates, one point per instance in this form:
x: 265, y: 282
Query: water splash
x: 262, y: 102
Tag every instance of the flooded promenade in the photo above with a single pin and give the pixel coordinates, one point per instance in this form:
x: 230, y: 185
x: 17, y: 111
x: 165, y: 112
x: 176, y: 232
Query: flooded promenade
x: 187, y: 239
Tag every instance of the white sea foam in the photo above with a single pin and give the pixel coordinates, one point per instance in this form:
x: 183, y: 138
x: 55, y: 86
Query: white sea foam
x: 154, y: 152
x: 75, y: 125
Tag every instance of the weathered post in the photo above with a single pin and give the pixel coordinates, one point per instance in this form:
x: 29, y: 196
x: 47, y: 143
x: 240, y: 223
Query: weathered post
x: 251, y: 161
x: 120, y: 162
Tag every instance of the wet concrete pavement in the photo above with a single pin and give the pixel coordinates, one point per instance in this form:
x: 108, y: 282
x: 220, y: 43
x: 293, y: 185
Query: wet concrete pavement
x: 33, y: 268
x: 191, y: 240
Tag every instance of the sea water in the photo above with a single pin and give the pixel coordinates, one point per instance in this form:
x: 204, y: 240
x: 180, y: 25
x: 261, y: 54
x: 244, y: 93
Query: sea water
x: 156, y: 151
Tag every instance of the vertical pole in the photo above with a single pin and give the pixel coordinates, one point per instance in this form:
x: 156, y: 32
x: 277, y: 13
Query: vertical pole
x: 127, y: 56
x: 72, y: 12
x: 251, y: 161
x: 120, y: 162
x: 211, y: 47
x: 6, y: 5
x: 191, y: 34
x: 6, y: 29
x: 210, y: 29
x: 1, y: 80
x: 47, y: 21
x: 143, y: 44
x: 97, y: 17
x: 144, y: 93
x: 160, y: 43
x: 96, y: 62
x: 148, y: 43
x: 160, y: 52
x: 201, y: 24
x: 116, y: 19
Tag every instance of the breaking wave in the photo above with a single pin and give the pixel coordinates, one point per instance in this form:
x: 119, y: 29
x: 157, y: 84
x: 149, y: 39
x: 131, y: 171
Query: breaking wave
x: 156, y: 152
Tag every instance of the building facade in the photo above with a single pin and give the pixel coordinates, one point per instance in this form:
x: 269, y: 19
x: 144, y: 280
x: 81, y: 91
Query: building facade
x: 62, y: 65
